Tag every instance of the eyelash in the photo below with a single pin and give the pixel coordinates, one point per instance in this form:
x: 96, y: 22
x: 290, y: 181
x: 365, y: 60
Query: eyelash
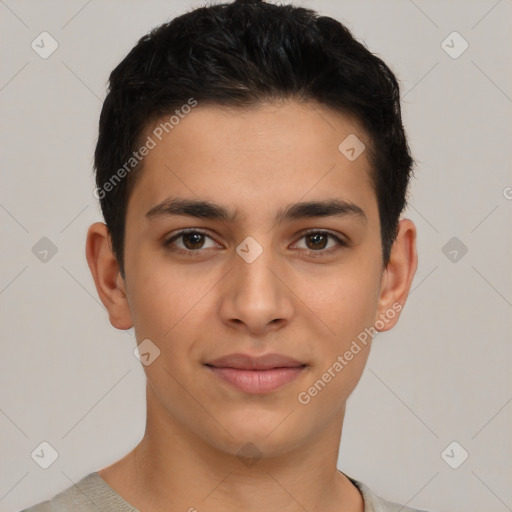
x: 192, y: 253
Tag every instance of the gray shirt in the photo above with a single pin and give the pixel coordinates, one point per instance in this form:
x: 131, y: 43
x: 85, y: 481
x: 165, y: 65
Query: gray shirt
x: 93, y: 494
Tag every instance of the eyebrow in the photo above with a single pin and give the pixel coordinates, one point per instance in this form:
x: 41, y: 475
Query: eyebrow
x: 303, y: 210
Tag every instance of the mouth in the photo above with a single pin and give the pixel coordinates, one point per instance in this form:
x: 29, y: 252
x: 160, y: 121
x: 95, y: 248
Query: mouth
x: 256, y: 375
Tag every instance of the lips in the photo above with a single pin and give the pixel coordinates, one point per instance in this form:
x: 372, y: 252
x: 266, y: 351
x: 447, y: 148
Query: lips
x: 246, y: 362
x: 256, y: 375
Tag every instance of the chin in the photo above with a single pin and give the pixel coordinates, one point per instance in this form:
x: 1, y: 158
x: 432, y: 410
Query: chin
x: 269, y: 434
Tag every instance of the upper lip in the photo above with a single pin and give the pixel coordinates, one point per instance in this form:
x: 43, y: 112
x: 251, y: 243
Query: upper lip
x: 247, y: 362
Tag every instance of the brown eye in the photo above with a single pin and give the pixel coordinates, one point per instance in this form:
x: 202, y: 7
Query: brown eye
x: 317, y: 241
x: 192, y: 241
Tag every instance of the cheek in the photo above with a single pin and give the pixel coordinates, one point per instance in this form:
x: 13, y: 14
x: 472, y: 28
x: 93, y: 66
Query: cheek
x: 169, y: 301
x: 346, y: 309
x: 343, y: 304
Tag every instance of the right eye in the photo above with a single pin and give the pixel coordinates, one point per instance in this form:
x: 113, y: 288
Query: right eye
x: 192, y: 241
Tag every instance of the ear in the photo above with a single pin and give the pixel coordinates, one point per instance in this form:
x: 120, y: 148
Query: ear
x: 397, y: 277
x: 107, y: 276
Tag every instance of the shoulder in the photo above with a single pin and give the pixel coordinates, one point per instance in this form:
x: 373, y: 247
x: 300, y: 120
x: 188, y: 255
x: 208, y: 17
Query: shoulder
x: 90, y: 494
x: 374, y: 503
x: 44, y: 506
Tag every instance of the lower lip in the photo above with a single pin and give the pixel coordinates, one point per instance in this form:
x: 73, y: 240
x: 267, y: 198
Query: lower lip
x: 258, y: 381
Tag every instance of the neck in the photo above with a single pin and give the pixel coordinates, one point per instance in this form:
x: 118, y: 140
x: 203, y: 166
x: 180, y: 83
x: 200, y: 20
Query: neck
x: 171, y: 465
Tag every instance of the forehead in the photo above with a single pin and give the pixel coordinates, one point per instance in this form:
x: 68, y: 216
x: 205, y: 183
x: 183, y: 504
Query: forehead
x: 254, y: 158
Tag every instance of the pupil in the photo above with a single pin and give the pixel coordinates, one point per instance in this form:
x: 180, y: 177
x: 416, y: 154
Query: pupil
x: 197, y: 239
x: 316, y: 238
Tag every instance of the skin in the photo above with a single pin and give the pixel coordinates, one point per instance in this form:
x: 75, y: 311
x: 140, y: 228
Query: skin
x: 304, y: 298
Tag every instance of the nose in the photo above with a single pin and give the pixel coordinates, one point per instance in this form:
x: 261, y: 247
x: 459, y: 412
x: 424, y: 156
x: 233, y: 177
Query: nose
x: 255, y: 295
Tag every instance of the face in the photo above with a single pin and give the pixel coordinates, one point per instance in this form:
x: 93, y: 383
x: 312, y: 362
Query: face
x: 254, y: 271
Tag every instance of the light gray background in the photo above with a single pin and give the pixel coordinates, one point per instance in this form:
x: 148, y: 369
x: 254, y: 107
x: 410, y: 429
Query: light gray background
x: 442, y: 375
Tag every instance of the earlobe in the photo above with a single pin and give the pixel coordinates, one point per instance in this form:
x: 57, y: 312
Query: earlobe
x: 107, y: 276
x: 397, y: 277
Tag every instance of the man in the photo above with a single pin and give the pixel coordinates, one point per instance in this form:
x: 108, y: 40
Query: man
x: 252, y: 168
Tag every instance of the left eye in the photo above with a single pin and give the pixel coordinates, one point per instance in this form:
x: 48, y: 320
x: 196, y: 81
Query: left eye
x: 193, y: 241
x: 316, y: 240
